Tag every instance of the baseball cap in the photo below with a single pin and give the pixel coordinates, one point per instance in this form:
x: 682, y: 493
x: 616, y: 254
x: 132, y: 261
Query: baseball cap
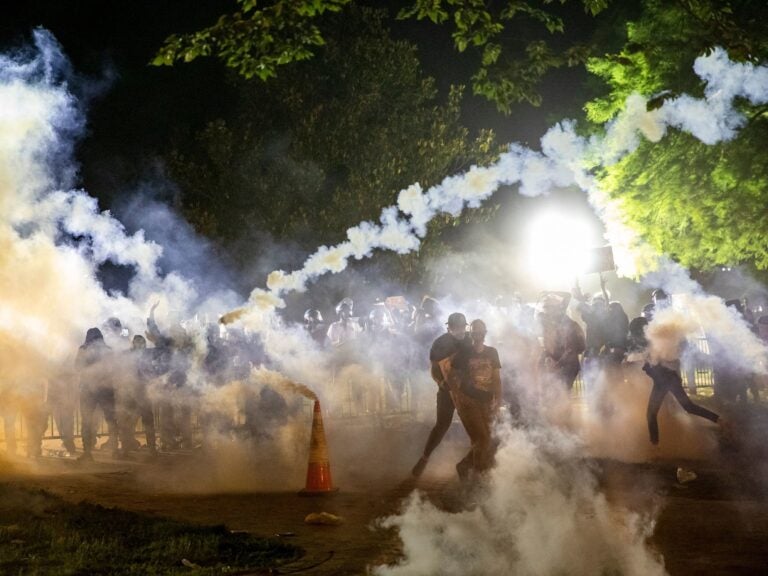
x: 457, y: 319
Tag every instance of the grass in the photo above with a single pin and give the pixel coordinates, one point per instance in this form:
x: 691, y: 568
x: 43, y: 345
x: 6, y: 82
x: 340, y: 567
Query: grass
x: 41, y: 534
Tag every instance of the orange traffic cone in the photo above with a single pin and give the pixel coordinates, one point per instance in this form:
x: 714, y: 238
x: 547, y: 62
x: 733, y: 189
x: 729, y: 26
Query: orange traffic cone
x: 319, y: 481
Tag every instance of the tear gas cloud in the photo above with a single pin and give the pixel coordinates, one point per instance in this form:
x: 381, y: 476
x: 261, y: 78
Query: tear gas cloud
x: 541, y: 513
x: 563, y: 161
x: 54, y: 240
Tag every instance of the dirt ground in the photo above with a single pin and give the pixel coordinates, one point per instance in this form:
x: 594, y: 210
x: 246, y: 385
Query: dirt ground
x: 716, y: 524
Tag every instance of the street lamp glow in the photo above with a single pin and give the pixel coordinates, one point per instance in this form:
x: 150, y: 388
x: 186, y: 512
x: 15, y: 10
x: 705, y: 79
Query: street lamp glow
x: 557, y: 249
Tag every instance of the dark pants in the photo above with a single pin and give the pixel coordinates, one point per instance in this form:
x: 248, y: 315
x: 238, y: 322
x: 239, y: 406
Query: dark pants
x: 664, y: 381
x: 133, y: 405
x: 477, y: 418
x: 445, y: 410
x: 89, y: 401
x: 8, y: 414
x: 175, y: 422
x: 63, y: 410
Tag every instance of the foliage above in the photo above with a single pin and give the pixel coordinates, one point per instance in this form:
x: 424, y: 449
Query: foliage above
x: 509, y: 39
x: 327, y: 144
x: 703, y: 205
x: 255, y: 40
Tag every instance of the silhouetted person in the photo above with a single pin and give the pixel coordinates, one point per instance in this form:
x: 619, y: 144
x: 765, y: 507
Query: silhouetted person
x: 170, y: 362
x: 443, y: 348
x: 475, y: 383
x: 667, y: 380
x: 96, y: 389
x: 135, y: 400
x: 314, y: 325
x: 562, y: 340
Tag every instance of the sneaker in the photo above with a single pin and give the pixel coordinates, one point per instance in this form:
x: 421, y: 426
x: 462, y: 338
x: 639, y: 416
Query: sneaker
x: 85, y: 457
x: 418, y: 470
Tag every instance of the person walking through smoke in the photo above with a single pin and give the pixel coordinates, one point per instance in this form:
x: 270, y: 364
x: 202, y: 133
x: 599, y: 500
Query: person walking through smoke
x: 562, y: 340
x: 171, y: 360
x: 134, y: 398
x: 442, y: 349
x: 475, y: 384
x: 315, y: 327
x: 96, y: 389
x: 665, y: 375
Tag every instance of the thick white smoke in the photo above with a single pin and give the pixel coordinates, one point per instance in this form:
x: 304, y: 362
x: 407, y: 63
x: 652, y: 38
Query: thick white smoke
x: 563, y: 161
x: 541, y: 513
x: 53, y: 238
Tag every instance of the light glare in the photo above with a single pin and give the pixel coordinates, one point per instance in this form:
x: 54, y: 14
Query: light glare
x: 558, y: 249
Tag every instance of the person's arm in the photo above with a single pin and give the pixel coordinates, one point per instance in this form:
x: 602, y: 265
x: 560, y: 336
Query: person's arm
x: 452, y: 375
x: 603, y: 290
x: 436, y: 373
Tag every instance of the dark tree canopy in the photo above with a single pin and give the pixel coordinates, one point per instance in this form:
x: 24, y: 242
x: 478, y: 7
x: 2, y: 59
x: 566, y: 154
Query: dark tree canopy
x: 511, y: 40
x: 327, y: 143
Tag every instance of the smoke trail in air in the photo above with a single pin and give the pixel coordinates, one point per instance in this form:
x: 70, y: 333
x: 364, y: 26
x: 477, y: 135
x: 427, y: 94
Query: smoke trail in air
x: 564, y: 160
x: 54, y: 239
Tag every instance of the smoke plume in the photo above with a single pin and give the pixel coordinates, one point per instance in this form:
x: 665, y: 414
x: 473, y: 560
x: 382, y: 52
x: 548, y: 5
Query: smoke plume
x: 541, y: 513
x: 563, y: 161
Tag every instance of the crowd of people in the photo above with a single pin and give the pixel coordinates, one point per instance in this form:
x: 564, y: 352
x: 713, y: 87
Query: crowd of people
x: 468, y: 373
x: 155, y: 378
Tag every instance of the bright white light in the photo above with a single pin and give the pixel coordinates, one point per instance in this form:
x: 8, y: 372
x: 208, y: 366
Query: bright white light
x: 557, y: 249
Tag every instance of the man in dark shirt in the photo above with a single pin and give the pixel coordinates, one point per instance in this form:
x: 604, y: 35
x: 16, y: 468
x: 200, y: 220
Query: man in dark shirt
x: 442, y: 349
x: 475, y: 384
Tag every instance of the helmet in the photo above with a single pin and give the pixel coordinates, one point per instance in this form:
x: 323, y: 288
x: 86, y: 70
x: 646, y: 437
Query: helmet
x: 345, y: 305
x: 92, y: 335
x: 379, y: 316
x: 429, y: 306
x: 312, y: 315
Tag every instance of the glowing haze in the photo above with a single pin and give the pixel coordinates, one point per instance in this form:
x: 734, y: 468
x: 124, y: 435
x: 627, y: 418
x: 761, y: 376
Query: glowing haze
x: 564, y: 160
x: 53, y: 240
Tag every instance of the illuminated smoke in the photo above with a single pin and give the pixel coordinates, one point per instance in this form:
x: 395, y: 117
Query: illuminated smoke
x: 564, y: 160
x: 541, y: 513
x: 55, y: 239
x: 278, y: 380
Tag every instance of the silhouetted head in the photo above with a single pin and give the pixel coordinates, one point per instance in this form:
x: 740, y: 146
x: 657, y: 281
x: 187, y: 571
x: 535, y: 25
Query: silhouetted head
x: 93, y: 335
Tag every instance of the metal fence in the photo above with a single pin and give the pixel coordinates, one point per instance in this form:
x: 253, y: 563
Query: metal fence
x: 383, y: 400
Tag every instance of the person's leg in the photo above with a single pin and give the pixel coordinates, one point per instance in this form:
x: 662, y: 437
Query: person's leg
x: 185, y: 424
x: 106, y: 399
x: 37, y: 421
x: 9, y: 427
x: 483, y: 445
x: 472, y: 416
x: 444, y: 417
x: 654, y: 404
x: 688, y: 405
x: 64, y: 415
x: 167, y: 425
x: 144, y: 408
x: 87, y: 409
